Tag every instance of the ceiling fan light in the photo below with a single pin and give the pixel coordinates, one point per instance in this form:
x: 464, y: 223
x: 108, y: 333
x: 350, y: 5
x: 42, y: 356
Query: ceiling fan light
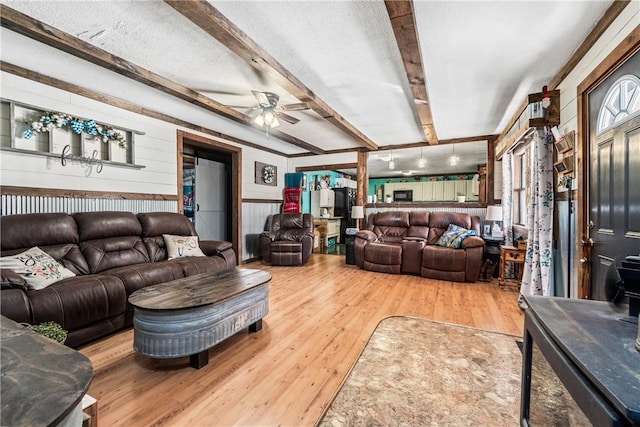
x: 269, y: 117
x: 274, y: 122
x: 259, y: 120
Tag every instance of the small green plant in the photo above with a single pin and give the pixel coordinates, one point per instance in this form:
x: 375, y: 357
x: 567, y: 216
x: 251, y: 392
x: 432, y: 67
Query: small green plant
x: 50, y: 330
x: 460, y: 193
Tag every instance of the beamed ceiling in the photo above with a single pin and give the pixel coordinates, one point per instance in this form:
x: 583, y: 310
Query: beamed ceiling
x: 376, y: 75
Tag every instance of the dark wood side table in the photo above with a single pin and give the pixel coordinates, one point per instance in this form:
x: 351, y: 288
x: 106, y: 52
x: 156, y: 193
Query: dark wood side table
x: 590, y: 350
x: 513, y: 255
x: 492, y: 250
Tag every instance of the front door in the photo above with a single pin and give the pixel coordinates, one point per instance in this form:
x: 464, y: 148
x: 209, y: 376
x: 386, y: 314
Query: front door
x: 614, y: 184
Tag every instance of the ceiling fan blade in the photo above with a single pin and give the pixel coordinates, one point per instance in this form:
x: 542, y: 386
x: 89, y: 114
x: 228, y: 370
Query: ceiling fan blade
x: 221, y: 90
x: 287, y: 118
x: 295, y: 107
x: 262, y: 98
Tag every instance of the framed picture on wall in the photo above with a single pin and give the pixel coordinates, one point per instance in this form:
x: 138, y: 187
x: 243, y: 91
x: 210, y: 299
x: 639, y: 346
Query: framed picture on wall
x: 562, y: 146
x: 565, y: 165
x: 266, y: 174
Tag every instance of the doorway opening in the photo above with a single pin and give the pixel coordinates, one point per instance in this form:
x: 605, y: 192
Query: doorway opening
x: 209, y: 185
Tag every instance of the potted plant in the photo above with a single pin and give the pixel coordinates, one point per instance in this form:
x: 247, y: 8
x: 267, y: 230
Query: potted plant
x: 462, y: 197
x: 51, y: 330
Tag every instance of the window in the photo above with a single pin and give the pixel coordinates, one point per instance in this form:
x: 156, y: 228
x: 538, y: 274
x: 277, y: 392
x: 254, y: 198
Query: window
x: 621, y: 102
x: 520, y: 186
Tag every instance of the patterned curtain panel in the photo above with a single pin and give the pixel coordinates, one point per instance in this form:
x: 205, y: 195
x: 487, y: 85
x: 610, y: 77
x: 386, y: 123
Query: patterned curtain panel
x: 537, y: 278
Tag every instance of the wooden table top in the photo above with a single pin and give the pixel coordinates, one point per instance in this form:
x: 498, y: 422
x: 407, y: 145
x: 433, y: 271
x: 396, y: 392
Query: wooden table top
x: 41, y: 380
x: 198, y: 290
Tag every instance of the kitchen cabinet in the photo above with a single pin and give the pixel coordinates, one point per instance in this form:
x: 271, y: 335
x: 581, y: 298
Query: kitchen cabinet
x: 415, y: 187
x: 449, y: 191
x: 322, y: 200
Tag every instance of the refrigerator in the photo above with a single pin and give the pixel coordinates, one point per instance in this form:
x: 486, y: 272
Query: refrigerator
x: 345, y: 198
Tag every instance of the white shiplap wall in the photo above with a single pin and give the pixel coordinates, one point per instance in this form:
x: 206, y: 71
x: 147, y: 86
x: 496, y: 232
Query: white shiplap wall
x: 626, y: 22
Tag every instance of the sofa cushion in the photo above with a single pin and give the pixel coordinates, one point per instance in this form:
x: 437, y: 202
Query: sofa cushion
x: 38, y: 268
x: 102, y: 225
x: 21, y: 232
x: 439, y: 223
x: 286, y: 246
x: 79, y: 301
x: 444, y: 259
x: 107, y: 253
x: 159, y: 223
x: 453, y: 237
x: 383, y: 253
x: 181, y: 246
x: 155, y: 224
x: 198, y: 265
x: 138, y: 276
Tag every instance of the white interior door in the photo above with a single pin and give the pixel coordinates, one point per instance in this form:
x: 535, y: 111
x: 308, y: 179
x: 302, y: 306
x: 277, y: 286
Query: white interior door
x: 210, y: 199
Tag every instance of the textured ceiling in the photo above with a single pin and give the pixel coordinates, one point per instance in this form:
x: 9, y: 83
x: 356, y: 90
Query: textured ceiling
x: 480, y: 61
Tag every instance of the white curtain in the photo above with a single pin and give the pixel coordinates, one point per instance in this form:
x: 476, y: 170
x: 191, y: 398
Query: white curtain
x: 507, y: 206
x: 537, y: 278
x: 507, y: 197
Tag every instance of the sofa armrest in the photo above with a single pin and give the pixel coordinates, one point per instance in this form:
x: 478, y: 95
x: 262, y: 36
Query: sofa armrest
x: 472, y: 242
x: 9, y: 279
x: 271, y: 235
x: 214, y: 247
x: 367, y: 235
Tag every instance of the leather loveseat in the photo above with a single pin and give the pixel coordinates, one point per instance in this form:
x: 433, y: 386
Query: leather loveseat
x: 112, y: 254
x: 406, y: 242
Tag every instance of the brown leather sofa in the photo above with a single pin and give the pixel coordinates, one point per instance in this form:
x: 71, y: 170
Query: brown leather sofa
x: 289, y: 240
x: 113, y: 254
x: 405, y: 242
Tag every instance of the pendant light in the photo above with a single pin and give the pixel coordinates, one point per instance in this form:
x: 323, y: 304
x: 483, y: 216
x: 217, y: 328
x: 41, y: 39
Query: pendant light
x: 421, y: 162
x: 392, y: 164
x: 453, y: 160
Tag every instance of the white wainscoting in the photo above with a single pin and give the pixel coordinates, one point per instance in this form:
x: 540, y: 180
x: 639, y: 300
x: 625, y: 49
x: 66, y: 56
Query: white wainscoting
x: 254, y: 219
x: 10, y: 205
x: 480, y: 212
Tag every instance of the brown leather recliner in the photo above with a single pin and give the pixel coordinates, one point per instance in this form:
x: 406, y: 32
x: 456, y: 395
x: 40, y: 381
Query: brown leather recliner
x: 405, y: 242
x: 289, y: 240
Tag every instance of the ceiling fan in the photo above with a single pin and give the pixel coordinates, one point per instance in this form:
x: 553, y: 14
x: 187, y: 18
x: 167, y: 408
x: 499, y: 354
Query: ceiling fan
x: 269, y: 111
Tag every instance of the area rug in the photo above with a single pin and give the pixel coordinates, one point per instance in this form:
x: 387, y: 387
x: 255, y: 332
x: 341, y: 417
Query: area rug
x: 417, y: 372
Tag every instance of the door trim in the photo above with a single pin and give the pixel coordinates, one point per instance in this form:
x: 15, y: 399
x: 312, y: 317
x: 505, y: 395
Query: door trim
x: 235, y: 185
x: 615, y: 59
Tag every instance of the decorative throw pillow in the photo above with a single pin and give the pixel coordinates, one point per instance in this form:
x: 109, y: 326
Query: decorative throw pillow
x: 182, y: 246
x: 453, y: 237
x: 37, y: 268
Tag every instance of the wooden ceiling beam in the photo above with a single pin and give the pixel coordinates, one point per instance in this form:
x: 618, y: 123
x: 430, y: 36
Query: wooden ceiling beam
x: 214, y: 23
x: 37, y: 30
x: 402, y: 19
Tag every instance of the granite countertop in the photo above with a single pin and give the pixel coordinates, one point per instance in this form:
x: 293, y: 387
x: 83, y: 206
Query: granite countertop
x: 41, y: 380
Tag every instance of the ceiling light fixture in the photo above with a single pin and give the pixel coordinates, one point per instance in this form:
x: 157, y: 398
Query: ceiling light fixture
x: 421, y: 162
x: 392, y: 164
x: 453, y: 160
x: 267, y: 118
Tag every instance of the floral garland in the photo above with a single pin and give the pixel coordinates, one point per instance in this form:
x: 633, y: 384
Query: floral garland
x: 51, y: 119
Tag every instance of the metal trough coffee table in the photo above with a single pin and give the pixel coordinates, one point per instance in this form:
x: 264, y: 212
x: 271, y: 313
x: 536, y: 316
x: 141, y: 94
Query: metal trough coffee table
x: 186, y: 317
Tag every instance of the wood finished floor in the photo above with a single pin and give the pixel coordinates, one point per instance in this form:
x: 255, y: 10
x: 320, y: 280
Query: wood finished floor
x: 321, y: 316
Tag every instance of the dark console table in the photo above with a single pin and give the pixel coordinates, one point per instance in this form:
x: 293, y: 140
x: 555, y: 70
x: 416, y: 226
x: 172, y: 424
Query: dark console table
x: 591, y: 351
x: 43, y: 382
